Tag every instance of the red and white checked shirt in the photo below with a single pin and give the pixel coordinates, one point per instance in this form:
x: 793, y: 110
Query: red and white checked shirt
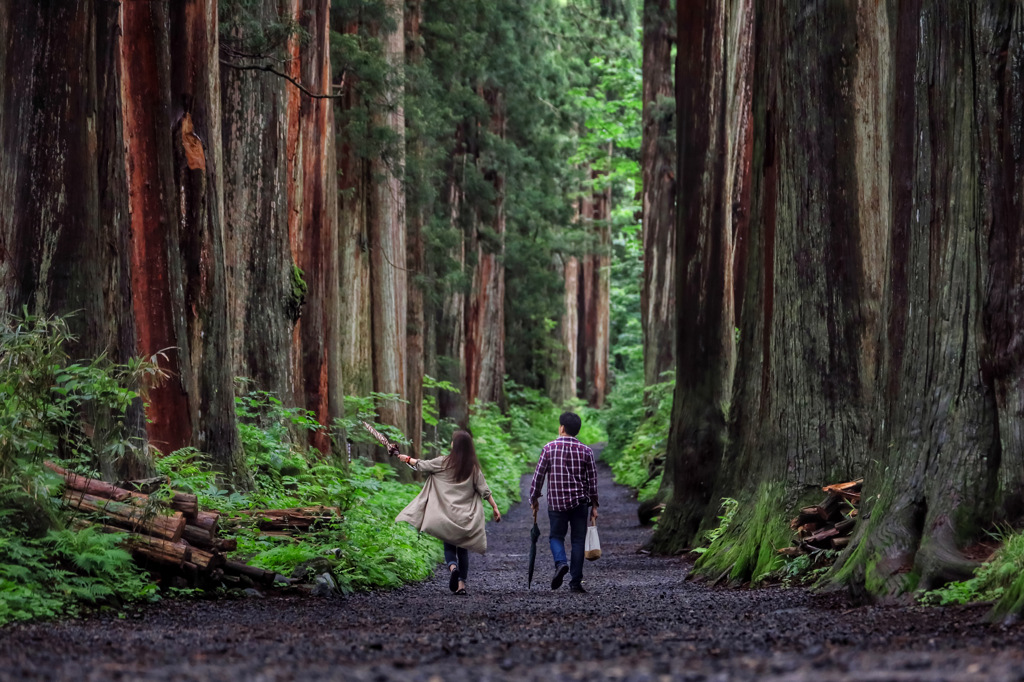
x: 573, y: 474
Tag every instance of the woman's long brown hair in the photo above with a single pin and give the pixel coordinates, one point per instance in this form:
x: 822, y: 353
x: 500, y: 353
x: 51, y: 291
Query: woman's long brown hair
x: 462, y: 461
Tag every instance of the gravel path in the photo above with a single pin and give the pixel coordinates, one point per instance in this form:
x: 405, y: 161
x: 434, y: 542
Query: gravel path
x: 640, y: 621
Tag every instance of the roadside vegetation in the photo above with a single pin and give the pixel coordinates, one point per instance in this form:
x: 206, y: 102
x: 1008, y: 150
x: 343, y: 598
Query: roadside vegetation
x: 50, y: 567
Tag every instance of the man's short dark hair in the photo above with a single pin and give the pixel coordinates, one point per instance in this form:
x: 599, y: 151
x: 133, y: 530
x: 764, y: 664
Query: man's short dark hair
x: 572, y: 423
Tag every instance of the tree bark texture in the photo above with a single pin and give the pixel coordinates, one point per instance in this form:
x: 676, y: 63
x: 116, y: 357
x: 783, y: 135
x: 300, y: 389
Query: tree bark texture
x: 451, y: 314
x: 696, y: 436
x: 595, y: 299
x: 658, y: 166
x: 871, y: 243
x: 114, y: 165
x: 387, y: 234
x: 797, y: 407
x: 562, y: 387
x: 485, y: 311
x: 197, y: 266
x: 64, y: 230
x: 951, y: 460
x: 355, y: 314
x: 417, y: 208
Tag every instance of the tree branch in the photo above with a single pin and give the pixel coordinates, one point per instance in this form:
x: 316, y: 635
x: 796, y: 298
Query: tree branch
x: 270, y: 69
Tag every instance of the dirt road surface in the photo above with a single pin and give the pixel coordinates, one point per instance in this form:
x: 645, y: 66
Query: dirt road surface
x: 640, y: 621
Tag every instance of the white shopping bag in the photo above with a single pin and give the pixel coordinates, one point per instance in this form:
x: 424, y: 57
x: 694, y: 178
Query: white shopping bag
x: 592, y: 550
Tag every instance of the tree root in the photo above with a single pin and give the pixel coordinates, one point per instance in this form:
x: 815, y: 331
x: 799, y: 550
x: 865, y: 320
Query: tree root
x: 902, y: 549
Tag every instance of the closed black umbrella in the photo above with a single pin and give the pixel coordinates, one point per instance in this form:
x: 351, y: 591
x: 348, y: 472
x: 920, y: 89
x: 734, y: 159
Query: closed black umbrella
x: 534, y: 536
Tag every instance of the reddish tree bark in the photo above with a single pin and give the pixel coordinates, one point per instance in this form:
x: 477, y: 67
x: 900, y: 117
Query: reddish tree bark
x: 562, y: 388
x: 63, y: 235
x: 386, y: 233
x: 416, y: 259
x: 595, y: 300
x: 657, y: 163
x: 485, y: 313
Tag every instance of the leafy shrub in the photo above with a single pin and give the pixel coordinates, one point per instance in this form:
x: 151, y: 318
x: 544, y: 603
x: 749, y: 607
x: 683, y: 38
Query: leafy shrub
x: 64, y: 571
x: 46, y: 570
x: 998, y: 579
x: 729, y: 507
x: 502, y: 459
x: 638, y: 437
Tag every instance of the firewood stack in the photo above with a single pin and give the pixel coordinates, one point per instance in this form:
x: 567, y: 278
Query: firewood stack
x: 285, y: 522
x: 171, y: 535
x: 827, y: 525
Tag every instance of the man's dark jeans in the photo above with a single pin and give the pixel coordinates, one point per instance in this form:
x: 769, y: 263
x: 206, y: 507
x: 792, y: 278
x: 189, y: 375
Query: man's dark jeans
x: 575, y: 521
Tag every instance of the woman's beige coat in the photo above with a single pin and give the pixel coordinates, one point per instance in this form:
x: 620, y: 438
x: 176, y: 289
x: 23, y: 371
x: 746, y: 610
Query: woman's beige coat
x: 450, y: 511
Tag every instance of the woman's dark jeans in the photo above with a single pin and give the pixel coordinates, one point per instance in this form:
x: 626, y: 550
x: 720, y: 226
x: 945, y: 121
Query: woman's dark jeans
x: 575, y: 521
x: 460, y: 557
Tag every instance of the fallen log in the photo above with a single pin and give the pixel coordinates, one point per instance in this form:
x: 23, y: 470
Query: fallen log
x: 147, y: 486
x: 164, y: 552
x: 129, y: 516
x: 207, y: 520
x: 91, y: 486
x: 196, y: 536
x: 207, y: 561
x: 297, y: 519
x: 822, y: 535
x: 186, y: 503
x: 253, y: 572
x: 200, y: 537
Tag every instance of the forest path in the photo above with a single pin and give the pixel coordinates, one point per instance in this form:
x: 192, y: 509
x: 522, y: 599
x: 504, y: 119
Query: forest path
x: 639, y: 621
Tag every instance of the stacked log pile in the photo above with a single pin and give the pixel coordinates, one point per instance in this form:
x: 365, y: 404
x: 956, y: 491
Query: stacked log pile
x: 827, y: 525
x: 286, y: 522
x: 170, y: 534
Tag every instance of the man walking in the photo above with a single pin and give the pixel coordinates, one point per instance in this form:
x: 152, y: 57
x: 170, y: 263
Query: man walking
x: 571, y: 471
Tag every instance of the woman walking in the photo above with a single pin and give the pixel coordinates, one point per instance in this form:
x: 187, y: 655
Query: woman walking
x: 449, y: 506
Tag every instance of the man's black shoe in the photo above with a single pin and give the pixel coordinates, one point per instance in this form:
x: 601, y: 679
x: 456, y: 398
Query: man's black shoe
x: 577, y: 588
x: 560, y: 572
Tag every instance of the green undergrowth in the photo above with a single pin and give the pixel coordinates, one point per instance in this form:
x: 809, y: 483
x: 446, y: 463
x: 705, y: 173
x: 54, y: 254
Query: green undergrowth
x: 638, y: 434
x: 53, y: 408
x: 747, y: 549
x: 999, y: 580
x: 47, y: 569
x: 366, y: 548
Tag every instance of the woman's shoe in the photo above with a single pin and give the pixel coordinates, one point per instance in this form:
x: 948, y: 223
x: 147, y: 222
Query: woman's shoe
x: 461, y: 590
x: 453, y: 579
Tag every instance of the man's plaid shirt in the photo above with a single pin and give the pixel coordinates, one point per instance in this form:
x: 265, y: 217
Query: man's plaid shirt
x: 573, y: 474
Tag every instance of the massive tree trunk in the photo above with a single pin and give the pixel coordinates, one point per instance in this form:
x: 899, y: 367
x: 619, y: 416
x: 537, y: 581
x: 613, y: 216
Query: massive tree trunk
x: 257, y: 107
x: 562, y: 385
x: 877, y: 323
x: 64, y: 231
x: 696, y: 436
x: 657, y: 163
x: 798, y: 410
x: 595, y: 298
x: 418, y: 207
x: 354, y: 243
x: 940, y: 457
x: 317, y: 238
x: 485, y: 314
x: 124, y: 187
x: 451, y: 314
x: 386, y: 232
x: 999, y: 105
x: 196, y: 265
